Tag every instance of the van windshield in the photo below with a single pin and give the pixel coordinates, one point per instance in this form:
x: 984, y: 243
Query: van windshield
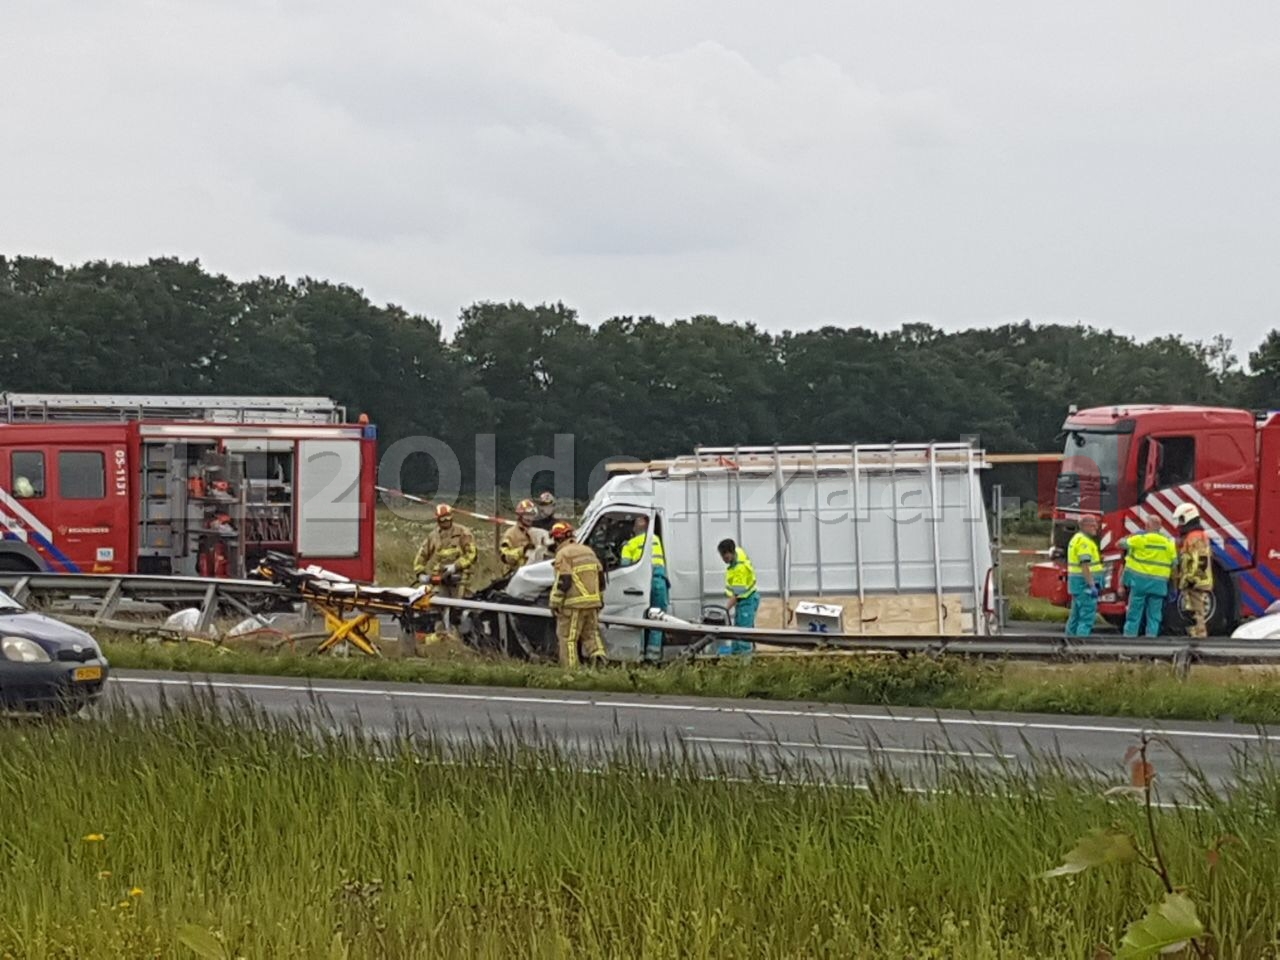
x: 1092, y: 461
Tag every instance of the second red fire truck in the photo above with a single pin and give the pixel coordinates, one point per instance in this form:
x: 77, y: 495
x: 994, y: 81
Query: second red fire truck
x: 1120, y: 462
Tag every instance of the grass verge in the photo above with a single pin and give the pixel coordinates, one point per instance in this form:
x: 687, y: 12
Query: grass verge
x: 188, y: 834
x: 1035, y: 610
x: 1247, y: 696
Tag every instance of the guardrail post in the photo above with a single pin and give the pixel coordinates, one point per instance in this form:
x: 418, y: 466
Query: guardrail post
x: 1182, y: 663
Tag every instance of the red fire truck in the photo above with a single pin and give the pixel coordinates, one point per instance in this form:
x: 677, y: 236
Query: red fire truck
x: 193, y: 486
x: 1121, y: 462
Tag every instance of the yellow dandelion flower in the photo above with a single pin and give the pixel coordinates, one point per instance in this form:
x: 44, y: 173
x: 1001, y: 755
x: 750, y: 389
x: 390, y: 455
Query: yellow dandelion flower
x: 93, y: 838
x: 135, y: 892
x: 104, y: 875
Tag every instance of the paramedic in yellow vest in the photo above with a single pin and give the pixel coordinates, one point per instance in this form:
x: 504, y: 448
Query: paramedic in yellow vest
x: 1148, y: 565
x: 1195, y: 568
x: 447, y: 555
x: 576, y: 597
x: 633, y: 552
x: 740, y: 589
x: 1084, y: 567
x: 517, y: 544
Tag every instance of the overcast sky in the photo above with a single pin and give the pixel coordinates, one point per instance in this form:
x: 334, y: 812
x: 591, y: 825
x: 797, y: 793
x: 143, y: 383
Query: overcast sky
x: 793, y: 164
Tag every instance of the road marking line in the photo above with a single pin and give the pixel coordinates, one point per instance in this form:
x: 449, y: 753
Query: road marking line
x: 194, y: 682
x: 856, y: 747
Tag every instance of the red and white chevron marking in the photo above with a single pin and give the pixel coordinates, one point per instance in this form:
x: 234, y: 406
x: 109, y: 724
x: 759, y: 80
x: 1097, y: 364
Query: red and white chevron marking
x: 1165, y: 502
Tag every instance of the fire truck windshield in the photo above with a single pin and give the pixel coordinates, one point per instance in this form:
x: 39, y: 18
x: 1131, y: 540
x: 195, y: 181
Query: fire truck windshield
x: 1091, y: 469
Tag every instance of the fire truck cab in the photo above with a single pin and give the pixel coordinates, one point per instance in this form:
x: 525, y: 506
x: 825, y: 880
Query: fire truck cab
x: 1120, y: 462
x: 191, y: 486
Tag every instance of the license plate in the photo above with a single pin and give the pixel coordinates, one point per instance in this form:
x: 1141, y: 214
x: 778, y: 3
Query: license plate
x: 84, y: 674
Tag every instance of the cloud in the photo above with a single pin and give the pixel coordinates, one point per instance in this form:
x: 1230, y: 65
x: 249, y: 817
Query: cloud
x: 577, y: 146
x: 792, y: 164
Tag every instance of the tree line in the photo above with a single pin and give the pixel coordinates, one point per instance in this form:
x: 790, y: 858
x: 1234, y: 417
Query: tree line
x: 627, y: 385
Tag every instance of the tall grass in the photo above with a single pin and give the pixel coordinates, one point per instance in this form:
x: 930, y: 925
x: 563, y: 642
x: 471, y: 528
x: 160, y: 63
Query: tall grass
x: 245, y: 837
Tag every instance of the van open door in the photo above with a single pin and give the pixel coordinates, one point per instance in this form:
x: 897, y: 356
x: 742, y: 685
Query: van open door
x: 626, y: 592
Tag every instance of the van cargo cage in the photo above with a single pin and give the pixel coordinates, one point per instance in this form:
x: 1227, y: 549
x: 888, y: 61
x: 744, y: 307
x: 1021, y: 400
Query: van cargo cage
x: 100, y: 408
x: 812, y: 458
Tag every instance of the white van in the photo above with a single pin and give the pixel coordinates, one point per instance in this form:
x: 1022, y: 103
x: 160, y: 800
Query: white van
x: 873, y: 529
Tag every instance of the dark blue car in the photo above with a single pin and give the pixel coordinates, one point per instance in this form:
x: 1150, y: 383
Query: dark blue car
x: 46, y: 665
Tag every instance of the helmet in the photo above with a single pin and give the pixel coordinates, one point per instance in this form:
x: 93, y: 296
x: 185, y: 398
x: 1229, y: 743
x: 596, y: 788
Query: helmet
x: 547, y: 498
x: 23, y: 488
x: 1185, y: 513
x: 526, y: 508
x: 443, y: 512
x: 561, y: 531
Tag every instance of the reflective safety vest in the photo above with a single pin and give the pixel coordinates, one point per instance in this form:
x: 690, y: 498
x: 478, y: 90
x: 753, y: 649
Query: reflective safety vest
x: 579, y: 578
x: 1081, y: 549
x: 633, y: 551
x: 1150, y: 554
x: 740, y: 577
x: 1195, y: 566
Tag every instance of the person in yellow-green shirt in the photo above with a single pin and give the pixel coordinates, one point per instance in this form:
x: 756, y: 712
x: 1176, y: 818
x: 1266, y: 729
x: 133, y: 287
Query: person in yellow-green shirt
x: 740, y: 588
x: 1148, y: 565
x: 1084, y: 566
x: 633, y: 552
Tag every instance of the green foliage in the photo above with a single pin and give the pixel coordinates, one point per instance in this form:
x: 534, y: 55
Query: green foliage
x: 1167, y: 927
x: 628, y: 386
x: 201, y: 942
x: 1172, y: 925
x: 1097, y: 848
x: 1264, y: 388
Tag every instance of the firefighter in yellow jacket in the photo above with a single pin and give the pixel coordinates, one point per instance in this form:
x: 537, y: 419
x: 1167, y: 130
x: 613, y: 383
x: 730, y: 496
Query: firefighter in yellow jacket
x: 1195, y: 568
x: 518, y: 543
x: 447, y: 555
x: 576, y: 597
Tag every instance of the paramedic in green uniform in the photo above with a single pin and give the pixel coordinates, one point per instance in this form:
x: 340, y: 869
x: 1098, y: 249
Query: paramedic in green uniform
x: 1148, y: 565
x: 740, y: 589
x: 1084, y: 565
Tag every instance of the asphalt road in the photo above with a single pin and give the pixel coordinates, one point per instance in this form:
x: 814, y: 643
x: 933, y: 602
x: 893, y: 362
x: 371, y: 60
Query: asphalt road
x: 725, y: 736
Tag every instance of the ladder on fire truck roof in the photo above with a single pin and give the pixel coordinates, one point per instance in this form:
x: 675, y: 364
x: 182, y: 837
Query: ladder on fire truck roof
x: 97, y: 408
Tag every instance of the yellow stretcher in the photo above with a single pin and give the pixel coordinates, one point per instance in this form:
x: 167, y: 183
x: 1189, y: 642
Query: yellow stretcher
x: 350, y: 609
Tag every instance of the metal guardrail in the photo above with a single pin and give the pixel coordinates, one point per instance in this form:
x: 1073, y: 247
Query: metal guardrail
x: 1182, y: 651
x: 109, y: 590
x: 98, y: 582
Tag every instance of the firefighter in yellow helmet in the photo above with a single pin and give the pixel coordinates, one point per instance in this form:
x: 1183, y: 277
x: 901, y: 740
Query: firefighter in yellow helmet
x: 447, y: 555
x: 1195, y: 568
x: 518, y: 543
x: 576, y: 597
